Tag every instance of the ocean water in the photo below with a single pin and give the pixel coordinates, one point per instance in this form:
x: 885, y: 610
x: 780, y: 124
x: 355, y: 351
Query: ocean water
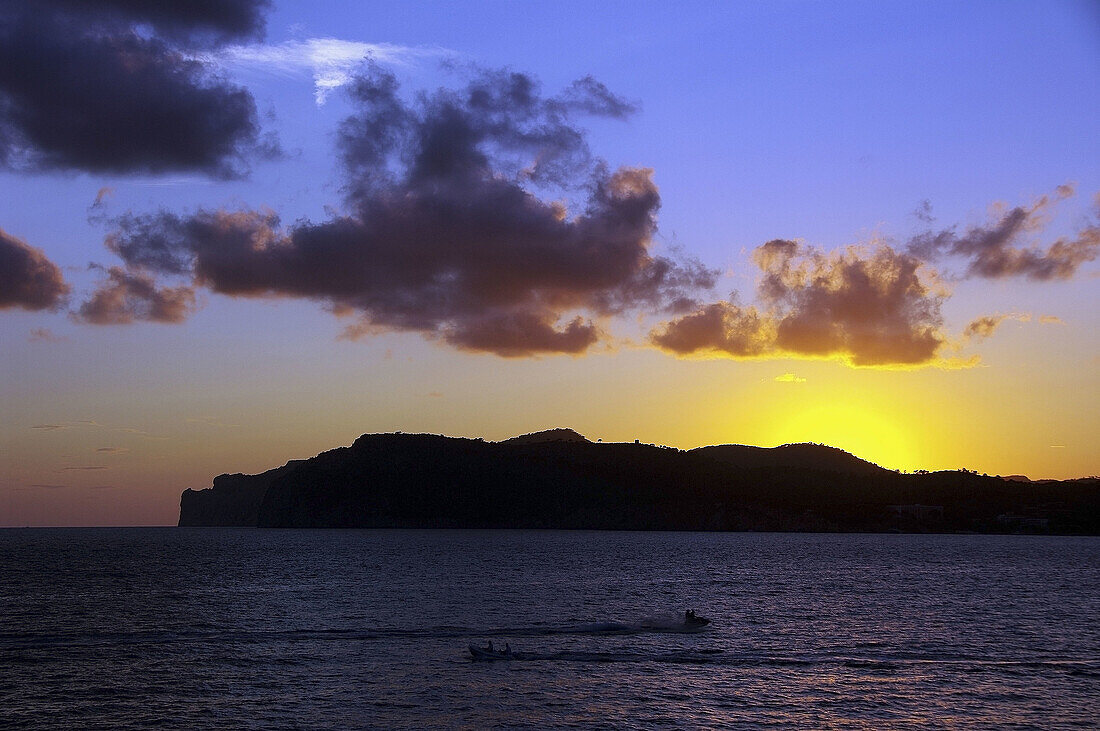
x: 243, y: 628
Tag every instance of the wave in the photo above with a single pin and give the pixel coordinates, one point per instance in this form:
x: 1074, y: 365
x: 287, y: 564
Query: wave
x: 20, y: 648
x: 1087, y: 668
x: 206, y: 633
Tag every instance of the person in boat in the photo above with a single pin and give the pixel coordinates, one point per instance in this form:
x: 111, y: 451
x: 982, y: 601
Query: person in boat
x: 689, y: 616
x: 507, y: 649
x: 490, y: 648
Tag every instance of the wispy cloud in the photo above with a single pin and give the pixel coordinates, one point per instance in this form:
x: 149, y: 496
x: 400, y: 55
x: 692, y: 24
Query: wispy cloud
x: 331, y: 61
x: 82, y: 469
x: 982, y: 327
x: 56, y: 426
x: 213, y: 421
x: 112, y: 450
x: 789, y: 378
x: 44, y: 335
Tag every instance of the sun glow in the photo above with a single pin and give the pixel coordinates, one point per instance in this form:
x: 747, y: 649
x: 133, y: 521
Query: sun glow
x: 854, y: 428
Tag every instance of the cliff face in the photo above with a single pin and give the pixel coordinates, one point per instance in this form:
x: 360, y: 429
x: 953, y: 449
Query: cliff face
x: 233, y: 500
x: 426, y: 481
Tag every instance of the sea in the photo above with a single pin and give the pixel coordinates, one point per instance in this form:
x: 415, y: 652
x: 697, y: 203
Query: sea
x: 251, y: 628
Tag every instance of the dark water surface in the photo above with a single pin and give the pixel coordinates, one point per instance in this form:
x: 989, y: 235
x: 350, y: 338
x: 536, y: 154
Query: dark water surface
x: 232, y: 628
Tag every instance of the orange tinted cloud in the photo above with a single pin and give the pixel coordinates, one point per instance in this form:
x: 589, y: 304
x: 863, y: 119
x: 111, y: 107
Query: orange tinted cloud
x: 131, y: 296
x: 869, y: 307
x: 1006, y: 247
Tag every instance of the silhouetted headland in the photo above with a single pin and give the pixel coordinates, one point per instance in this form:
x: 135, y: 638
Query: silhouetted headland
x: 559, y: 479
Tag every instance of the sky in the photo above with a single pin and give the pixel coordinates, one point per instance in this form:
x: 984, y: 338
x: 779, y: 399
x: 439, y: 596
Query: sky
x: 234, y: 234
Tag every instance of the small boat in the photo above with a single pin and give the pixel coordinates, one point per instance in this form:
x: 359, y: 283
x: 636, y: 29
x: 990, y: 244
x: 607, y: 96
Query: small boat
x: 691, y: 621
x: 484, y: 653
x: 687, y: 621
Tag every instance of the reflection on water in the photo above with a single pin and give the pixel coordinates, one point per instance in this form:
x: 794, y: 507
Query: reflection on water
x: 248, y: 628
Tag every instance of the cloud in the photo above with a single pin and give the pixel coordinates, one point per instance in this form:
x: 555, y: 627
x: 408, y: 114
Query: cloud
x: 332, y: 62
x: 28, y: 279
x: 101, y: 197
x: 721, y: 327
x: 868, y: 306
x: 131, y: 296
x: 81, y: 469
x: 1005, y: 247
x: 984, y: 326
x: 789, y: 378
x: 114, y: 87
x: 68, y: 424
x: 112, y: 450
x: 44, y: 335
x: 47, y: 487
x: 445, y: 234
x: 212, y: 421
x: 923, y: 212
x: 90, y: 423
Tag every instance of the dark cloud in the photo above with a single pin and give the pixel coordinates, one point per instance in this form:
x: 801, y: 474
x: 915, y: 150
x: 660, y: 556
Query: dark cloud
x: 27, y: 278
x: 129, y: 296
x: 521, y: 334
x: 1004, y: 248
x: 869, y: 307
x: 721, y: 327
x: 445, y: 235
x: 499, y: 124
x: 195, y: 22
x: 115, y: 86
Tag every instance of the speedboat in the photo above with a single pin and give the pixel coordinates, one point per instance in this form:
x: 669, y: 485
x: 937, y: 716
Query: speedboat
x: 484, y: 653
x: 691, y: 621
x: 687, y: 621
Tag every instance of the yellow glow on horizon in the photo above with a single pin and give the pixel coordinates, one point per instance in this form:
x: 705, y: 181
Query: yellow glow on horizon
x: 855, y: 428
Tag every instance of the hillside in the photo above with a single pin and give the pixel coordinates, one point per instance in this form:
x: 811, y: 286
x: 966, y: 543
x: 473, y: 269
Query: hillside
x: 559, y: 479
